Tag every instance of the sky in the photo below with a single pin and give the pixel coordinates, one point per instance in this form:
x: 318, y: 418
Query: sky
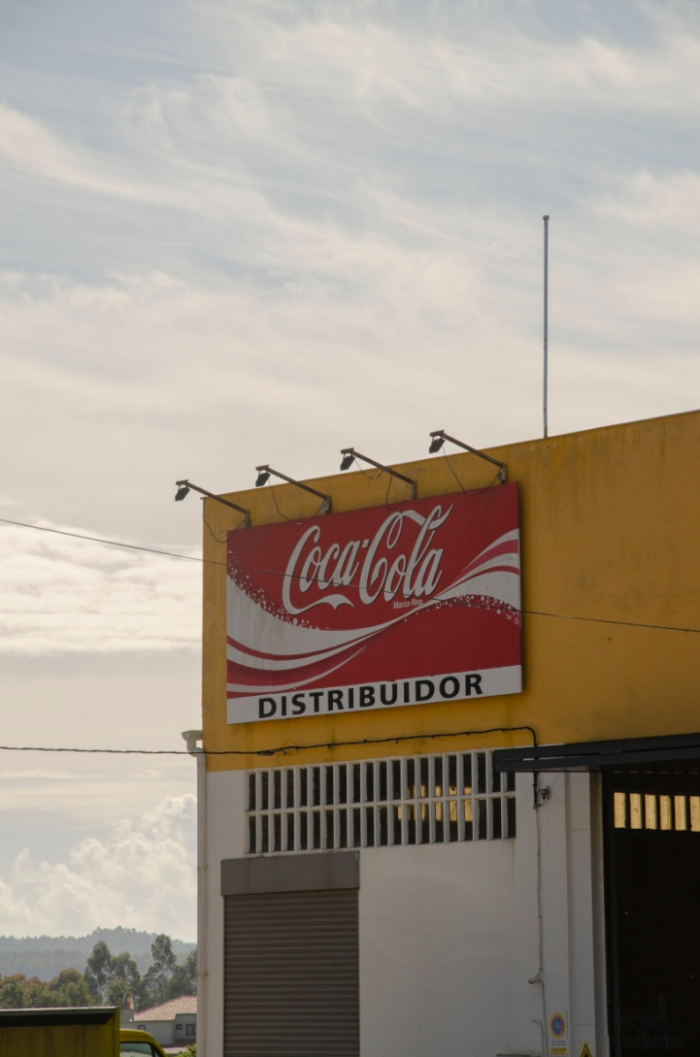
x: 247, y: 232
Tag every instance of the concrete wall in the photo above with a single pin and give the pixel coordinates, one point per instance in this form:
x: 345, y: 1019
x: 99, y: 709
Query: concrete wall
x: 225, y: 840
x: 183, y: 1021
x: 450, y: 934
x: 161, y: 1030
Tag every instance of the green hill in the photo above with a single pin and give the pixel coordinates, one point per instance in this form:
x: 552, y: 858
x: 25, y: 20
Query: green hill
x: 45, y: 956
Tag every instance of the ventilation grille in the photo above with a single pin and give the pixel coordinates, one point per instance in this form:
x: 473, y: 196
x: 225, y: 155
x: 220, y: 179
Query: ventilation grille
x: 379, y: 803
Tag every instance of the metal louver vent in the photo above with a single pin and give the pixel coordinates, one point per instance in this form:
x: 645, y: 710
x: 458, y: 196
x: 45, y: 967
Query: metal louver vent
x: 292, y: 975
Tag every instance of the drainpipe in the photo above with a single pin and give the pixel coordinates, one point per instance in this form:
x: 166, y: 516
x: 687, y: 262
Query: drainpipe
x: 192, y: 737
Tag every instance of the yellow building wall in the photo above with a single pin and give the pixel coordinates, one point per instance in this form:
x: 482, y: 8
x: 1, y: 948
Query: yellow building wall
x: 610, y: 527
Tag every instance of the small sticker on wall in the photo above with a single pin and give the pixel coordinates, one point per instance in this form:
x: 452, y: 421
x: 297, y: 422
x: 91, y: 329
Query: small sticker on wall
x: 558, y: 1045
x: 585, y: 1052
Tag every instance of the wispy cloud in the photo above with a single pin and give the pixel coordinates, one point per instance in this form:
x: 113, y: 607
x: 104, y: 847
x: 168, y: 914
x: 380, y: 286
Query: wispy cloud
x: 261, y: 231
x: 56, y: 597
x: 651, y: 200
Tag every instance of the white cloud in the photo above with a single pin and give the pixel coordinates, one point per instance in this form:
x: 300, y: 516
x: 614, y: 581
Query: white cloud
x: 65, y: 595
x: 648, y: 199
x: 351, y: 235
x: 439, y: 60
x: 235, y: 233
x: 29, y: 146
x: 142, y: 876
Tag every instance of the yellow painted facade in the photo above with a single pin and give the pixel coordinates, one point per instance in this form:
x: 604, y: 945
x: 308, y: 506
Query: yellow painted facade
x: 610, y: 520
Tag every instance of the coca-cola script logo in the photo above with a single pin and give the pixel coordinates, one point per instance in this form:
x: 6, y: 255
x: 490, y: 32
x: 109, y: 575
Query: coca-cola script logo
x: 396, y: 561
x: 322, y: 614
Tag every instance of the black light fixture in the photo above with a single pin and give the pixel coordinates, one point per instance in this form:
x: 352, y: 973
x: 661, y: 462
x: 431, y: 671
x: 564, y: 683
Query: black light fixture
x: 439, y: 437
x: 349, y: 456
x: 185, y: 487
x: 263, y: 477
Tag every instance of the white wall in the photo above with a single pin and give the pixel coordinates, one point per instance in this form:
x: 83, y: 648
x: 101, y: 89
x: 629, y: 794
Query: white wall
x: 225, y: 840
x: 161, y: 1030
x: 447, y: 944
x: 449, y: 934
x: 449, y: 937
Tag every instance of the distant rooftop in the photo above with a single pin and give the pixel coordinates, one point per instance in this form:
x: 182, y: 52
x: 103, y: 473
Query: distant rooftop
x: 168, y: 1010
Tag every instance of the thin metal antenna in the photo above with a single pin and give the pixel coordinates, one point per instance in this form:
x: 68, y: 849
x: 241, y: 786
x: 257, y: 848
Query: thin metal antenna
x: 546, y: 308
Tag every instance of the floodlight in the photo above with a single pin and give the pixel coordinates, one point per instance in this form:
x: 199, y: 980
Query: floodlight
x: 349, y: 456
x: 264, y: 476
x: 439, y: 437
x: 184, y: 488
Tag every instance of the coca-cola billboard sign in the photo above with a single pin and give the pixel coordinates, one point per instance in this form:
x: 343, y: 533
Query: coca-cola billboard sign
x: 377, y: 608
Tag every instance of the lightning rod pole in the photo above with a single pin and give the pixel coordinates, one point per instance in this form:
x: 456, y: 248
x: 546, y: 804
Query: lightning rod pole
x: 546, y: 307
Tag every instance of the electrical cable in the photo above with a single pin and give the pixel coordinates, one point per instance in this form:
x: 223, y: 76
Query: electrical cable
x: 275, y: 572
x: 472, y: 491
x: 291, y: 520
x: 539, y: 977
x: 399, y: 502
x: 214, y: 535
x: 280, y: 750
x: 368, y: 474
x: 111, y: 543
x: 607, y: 620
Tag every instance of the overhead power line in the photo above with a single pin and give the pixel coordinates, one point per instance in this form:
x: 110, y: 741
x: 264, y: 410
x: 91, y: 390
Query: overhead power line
x: 110, y: 543
x: 276, y: 572
x: 280, y: 750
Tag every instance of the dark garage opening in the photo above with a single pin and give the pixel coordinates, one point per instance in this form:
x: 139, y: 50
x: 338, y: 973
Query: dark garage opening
x: 652, y: 857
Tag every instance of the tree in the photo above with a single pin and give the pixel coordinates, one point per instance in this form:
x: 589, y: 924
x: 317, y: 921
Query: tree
x: 191, y: 967
x: 125, y: 981
x: 125, y: 968
x: 75, y: 993
x: 36, y: 994
x: 164, y: 964
x: 11, y: 992
x: 98, y: 971
x: 69, y: 988
x: 118, y: 991
x: 184, y: 978
x: 66, y: 976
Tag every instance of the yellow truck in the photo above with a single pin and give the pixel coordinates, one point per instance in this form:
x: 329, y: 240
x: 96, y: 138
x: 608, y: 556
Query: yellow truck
x: 91, y: 1031
x: 137, y: 1043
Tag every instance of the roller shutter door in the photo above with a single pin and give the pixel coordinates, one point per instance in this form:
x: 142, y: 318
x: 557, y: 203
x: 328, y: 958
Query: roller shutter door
x: 292, y: 975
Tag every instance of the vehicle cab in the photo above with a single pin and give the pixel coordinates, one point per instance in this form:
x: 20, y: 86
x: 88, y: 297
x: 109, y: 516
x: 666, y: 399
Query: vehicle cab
x: 135, y: 1043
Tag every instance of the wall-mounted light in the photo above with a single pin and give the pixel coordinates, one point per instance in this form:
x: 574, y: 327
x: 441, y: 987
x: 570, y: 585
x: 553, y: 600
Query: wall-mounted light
x: 349, y: 456
x: 263, y: 477
x: 439, y: 437
x: 185, y: 487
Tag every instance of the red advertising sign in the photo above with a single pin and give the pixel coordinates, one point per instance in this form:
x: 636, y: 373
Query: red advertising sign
x: 376, y: 608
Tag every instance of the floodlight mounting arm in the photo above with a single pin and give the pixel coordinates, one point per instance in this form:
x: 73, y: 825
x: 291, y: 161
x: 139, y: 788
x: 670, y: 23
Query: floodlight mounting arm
x: 267, y: 469
x: 188, y: 486
x: 351, y: 454
x: 439, y: 437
